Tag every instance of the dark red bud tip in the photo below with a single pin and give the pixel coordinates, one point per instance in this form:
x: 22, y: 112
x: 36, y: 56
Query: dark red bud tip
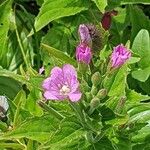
x: 106, y: 19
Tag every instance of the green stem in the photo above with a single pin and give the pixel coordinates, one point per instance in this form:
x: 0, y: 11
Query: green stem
x: 11, y: 146
x: 79, y: 113
x: 17, y: 114
x: 51, y: 110
x: 20, y: 44
x: 35, y: 36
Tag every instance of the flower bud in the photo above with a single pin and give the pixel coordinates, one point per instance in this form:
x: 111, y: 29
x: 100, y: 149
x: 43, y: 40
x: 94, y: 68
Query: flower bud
x: 107, y: 19
x: 84, y: 34
x: 88, y: 96
x: 96, y: 78
x: 101, y: 94
x: 95, y: 102
x: 94, y: 90
x: 83, y: 53
x: 120, y: 105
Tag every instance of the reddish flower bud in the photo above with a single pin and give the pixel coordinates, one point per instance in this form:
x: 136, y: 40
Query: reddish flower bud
x: 107, y: 18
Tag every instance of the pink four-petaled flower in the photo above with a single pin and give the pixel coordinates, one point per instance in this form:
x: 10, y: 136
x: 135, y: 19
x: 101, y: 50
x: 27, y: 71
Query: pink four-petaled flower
x: 119, y: 56
x: 62, y: 84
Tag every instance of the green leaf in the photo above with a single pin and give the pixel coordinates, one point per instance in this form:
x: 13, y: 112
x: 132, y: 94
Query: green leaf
x: 133, y: 97
x: 142, y: 134
x: 59, y: 54
x: 52, y: 10
x: 123, y: 143
x: 143, y: 146
x: 61, y: 38
x: 34, y: 81
x: 9, y: 87
x: 141, y: 46
x: 141, y: 75
x: 10, y: 145
x: 63, y: 107
x: 139, y: 113
x: 124, y: 2
x: 116, y: 82
x: 101, y: 4
x: 6, y: 73
x: 38, y: 128
x: 5, y: 8
x: 145, y: 86
x: 69, y: 136
x: 19, y: 102
x: 136, y: 22
x: 103, y: 144
x: 20, y: 96
x: 133, y: 60
x: 40, y: 2
x: 113, y: 3
x: 31, y: 103
x: 119, y: 26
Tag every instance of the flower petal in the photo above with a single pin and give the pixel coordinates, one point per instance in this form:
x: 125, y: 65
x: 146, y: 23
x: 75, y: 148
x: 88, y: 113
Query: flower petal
x: 46, y: 83
x: 50, y: 96
x: 69, y: 70
x: 55, y: 72
x: 74, y: 97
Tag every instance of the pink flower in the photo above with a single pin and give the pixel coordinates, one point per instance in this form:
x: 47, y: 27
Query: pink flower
x: 62, y: 84
x: 84, y: 34
x: 119, y: 56
x: 83, y: 53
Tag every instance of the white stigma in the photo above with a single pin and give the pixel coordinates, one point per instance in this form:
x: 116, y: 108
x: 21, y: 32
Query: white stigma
x: 64, y: 90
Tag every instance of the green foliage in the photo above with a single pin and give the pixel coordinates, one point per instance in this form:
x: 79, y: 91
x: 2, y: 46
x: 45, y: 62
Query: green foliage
x: 4, y: 27
x: 138, y: 24
x: 40, y: 129
x: 31, y: 103
x: 114, y: 110
x: 58, y: 54
x: 9, y: 87
x: 52, y: 10
x: 100, y: 4
x: 115, y: 82
x: 69, y: 136
x: 141, y: 46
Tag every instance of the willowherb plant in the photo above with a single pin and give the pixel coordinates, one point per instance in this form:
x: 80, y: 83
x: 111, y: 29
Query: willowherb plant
x: 84, y: 95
